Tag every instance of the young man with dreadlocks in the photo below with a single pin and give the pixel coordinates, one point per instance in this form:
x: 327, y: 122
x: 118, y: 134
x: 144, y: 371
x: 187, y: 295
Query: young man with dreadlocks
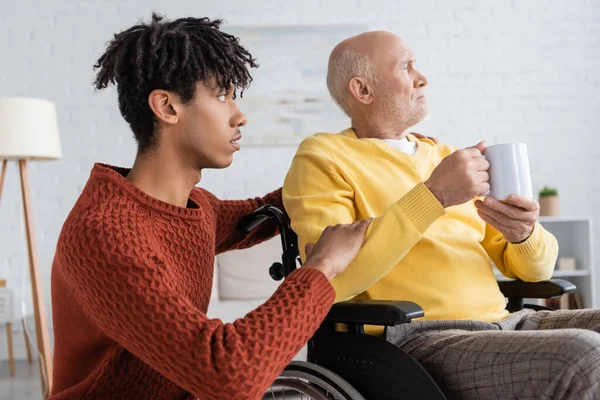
x: 132, y: 274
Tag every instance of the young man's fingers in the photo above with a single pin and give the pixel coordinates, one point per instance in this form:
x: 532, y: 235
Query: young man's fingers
x: 308, y: 248
x: 363, y: 225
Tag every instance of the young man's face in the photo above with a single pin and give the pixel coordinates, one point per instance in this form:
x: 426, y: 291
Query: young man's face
x: 211, y: 127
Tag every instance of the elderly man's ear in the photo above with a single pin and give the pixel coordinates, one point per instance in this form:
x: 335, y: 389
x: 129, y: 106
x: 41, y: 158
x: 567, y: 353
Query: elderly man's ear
x: 361, y: 90
x: 419, y: 136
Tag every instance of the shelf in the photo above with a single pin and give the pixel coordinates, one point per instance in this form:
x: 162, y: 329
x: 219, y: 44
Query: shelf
x: 577, y: 272
x: 564, y: 219
x: 555, y: 274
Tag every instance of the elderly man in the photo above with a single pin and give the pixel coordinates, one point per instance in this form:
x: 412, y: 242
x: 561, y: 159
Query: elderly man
x: 432, y: 239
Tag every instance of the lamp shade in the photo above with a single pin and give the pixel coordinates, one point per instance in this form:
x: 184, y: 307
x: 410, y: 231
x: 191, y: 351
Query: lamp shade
x: 28, y: 129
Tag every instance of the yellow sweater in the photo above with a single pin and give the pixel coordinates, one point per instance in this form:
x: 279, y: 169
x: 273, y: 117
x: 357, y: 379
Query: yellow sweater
x: 414, y: 249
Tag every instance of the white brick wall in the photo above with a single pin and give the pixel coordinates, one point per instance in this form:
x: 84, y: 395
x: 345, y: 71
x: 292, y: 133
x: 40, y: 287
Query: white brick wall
x: 500, y: 71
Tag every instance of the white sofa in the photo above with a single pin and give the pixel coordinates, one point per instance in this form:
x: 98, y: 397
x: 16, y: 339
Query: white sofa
x: 242, y: 281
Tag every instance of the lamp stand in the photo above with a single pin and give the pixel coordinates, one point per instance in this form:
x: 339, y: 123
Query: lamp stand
x: 41, y: 325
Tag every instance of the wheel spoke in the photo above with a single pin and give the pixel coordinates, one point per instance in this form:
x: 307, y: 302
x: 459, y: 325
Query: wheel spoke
x: 301, y: 380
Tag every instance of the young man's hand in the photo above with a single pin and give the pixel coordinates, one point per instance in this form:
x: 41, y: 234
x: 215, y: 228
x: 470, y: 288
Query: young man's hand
x: 515, y: 218
x: 336, y: 248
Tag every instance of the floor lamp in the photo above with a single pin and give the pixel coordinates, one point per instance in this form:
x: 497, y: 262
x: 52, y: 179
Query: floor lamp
x: 29, y: 132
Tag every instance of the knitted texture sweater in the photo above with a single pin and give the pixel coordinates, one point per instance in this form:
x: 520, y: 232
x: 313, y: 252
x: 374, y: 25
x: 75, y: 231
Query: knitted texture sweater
x: 131, y: 283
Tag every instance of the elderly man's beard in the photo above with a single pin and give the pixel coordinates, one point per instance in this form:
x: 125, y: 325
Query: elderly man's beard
x: 401, y: 112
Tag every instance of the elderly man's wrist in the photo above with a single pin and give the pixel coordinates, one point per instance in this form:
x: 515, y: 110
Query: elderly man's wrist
x: 526, y: 237
x: 433, y: 191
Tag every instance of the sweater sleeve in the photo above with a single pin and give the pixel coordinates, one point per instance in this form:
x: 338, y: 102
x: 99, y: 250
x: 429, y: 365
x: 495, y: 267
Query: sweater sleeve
x: 126, y: 289
x: 315, y: 197
x: 531, y: 261
x: 229, y: 213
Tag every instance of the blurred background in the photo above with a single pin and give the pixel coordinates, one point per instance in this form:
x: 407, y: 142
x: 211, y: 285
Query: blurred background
x: 503, y: 71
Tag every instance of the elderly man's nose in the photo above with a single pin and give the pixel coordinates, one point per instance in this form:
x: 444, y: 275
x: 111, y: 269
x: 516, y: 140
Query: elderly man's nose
x: 420, y: 81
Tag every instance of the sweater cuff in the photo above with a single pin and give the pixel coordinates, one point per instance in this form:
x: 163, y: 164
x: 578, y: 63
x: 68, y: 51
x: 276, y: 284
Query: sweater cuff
x: 421, y: 207
x: 531, y: 244
x: 323, y: 291
x: 274, y: 198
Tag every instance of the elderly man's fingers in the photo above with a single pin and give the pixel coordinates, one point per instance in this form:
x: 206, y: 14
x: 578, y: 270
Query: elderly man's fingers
x: 523, y: 202
x: 509, y: 210
x: 500, y: 226
x: 516, y: 232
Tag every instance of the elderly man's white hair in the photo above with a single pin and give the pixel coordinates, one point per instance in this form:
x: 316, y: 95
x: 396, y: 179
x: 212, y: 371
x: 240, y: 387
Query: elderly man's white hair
x: 345, y: 64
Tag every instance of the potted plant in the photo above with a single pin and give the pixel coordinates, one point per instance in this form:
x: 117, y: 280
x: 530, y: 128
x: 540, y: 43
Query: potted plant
x: 549, y: 205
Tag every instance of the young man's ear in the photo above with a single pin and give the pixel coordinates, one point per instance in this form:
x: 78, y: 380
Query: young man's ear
x: 360, y: 89
x: 165, y: 105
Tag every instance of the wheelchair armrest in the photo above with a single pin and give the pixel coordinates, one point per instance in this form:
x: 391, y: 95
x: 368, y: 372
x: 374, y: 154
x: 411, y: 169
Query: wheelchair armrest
x: 374, y: 312
x: 517, y: 289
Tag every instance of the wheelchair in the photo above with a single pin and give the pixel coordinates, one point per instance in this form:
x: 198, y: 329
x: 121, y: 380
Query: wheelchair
x: 352, y: 365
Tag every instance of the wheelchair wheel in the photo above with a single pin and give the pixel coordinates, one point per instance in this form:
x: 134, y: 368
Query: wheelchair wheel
x: 301, y: 380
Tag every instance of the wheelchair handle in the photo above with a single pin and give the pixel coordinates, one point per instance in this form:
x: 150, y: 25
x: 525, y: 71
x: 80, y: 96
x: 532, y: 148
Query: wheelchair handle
x: 289, y: 240
x: 254, y: 219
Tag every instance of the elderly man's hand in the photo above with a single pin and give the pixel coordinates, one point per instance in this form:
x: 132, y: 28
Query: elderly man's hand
x: 514, y: 218
x: 460, y: 177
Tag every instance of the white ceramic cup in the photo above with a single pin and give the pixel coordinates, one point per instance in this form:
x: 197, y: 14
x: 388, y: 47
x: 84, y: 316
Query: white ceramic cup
x: 509, y: 170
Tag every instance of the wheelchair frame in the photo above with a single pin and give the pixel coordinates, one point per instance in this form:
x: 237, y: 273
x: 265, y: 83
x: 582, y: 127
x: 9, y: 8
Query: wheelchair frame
x: 384, y: 371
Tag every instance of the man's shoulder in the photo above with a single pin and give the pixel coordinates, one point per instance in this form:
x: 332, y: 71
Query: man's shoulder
x: 88, y: 222
x: 326, y: 143
x: 338, y: 142
x: 445, y: 149
x: 101, y: 211
x: 99, y: 234
x: 204, y: 197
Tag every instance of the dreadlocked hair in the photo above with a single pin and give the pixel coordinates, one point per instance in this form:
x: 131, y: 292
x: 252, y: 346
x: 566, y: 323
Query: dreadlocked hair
x: 173, y: 56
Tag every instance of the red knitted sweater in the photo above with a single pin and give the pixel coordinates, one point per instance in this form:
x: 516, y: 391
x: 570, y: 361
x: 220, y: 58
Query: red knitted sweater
x: 131, y: 282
